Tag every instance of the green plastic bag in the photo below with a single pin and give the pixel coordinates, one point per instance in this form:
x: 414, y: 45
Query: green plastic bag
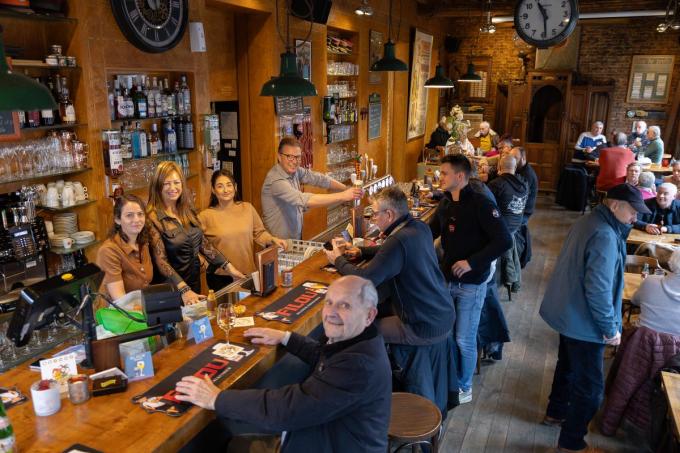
x: 114, y: 321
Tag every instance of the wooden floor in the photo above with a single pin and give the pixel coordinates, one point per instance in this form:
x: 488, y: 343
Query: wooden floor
x: 510, y: 396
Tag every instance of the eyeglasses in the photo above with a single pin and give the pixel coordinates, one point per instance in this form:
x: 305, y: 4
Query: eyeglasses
x: 292, y: 157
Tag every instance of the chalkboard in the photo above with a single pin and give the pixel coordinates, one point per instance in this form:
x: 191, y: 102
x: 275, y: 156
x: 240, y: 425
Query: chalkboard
x: 9, y: 126
x: 288, y: 105
x: 374, y: 116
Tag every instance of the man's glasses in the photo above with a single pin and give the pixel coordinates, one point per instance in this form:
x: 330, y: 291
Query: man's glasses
x: 292, y: 157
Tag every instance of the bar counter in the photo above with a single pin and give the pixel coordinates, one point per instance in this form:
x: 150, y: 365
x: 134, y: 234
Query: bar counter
x: 113, y: 423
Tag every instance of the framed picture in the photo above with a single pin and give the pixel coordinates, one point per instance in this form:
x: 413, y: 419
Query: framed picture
x: 421, y: 56
x: 650, y: 79
x: 375, y: 53
x: 303, y: 56
x: 479, y: 92
x: 9, y: 126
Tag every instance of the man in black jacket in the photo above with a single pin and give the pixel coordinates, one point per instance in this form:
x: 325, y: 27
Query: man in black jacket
x: 665, y: 216
x: 473, y: 234
x: 344, y: 405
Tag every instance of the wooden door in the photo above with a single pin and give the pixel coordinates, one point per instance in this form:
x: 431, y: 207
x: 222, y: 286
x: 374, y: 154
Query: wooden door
x: 516, y: 112
x: 544, y: 159
x: 576, y: 119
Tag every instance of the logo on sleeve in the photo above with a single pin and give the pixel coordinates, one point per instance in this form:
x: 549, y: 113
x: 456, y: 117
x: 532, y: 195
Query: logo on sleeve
x: 495, y: 213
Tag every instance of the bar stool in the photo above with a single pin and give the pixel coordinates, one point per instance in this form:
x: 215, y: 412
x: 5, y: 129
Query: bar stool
x: 414, y: 421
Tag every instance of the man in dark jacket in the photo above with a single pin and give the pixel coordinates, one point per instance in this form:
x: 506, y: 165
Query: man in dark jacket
x: 344, y: 405
x: 473, y: 234
x: 511, y: 192
x: 665, y: 212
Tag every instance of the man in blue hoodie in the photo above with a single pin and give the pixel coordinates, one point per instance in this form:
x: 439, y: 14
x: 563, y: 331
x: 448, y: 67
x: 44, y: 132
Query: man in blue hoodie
x: 582, y: 302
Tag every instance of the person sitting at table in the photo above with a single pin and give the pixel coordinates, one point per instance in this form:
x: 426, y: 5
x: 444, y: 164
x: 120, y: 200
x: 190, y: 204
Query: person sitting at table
x: 488, y: 138
x: 654, y: 149
x: 659, y: 299
x: 284, y: 202
x: 665, y: 212
x: 614, y: 161
x: 490, y: 171
x: 647, y: 185
x: 177, y: 241
x: 588, y: 142
x: 232, y: 226
x: 633, y: 171
x: 638, y: 138
x: 439, y: 136
x: 674, y: 178
x: 124, y: 256
x: 344, y: 405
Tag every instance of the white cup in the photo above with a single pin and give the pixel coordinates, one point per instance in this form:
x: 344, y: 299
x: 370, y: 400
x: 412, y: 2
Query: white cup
x: 67, y: 243
x: 68, y: 197
x: 79, y: 191
x: 52, y: 198
x: 46, y: 402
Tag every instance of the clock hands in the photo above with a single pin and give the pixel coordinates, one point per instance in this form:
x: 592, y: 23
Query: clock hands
x: 544, y: 13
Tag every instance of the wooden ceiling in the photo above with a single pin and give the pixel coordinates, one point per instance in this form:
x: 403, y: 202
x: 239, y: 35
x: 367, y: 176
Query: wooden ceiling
x: 465, y: 8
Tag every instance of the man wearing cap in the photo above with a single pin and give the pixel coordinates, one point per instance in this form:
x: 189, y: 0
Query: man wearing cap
x: 582, y: 302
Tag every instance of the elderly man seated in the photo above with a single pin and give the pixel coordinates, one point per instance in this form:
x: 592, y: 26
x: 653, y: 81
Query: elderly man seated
x: 659, y: 299
x: 588, y: 143
x: 654, y: 149
x: 638, y: 138
x: 344, y: 405
x: 665, y: 212
x: 487, y: 137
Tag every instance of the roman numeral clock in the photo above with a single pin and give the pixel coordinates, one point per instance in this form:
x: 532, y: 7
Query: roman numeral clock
x: 545, y: 23
x: 152, y: 25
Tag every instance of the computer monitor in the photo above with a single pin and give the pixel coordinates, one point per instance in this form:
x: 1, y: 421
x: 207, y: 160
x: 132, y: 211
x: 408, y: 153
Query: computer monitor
x: 40, y: 303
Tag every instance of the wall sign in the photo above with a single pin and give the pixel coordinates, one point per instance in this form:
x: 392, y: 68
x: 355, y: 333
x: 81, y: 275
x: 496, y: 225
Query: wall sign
x: 650, y: 79
x: 288, y: 105
x: 374, y: 116
x: 9, y: 126
x: 421, y: 51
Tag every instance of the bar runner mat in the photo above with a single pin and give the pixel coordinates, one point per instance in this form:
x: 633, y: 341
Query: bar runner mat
x: 218, y: 362
x: 295, y: 303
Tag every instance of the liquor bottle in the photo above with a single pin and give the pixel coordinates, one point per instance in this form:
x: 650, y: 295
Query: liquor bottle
x: 179, y: 130
x: 129, y: 102
x: 186, y: 95
x: 8, y: 442
x: 189, y: 134
x: 113, y: 161
x: 155, y: 145
x: 66, y: 109
x: 46, y: 115
x: 111, y: 101
x: 139, y: 146
x: 22, y: 119
x: 125, y: 141
x: 139, y: 101
x: 169, y: 138
x: 119, y: 100
x: 170, y: 99
x: 158, y: 99
x: 150, y: 99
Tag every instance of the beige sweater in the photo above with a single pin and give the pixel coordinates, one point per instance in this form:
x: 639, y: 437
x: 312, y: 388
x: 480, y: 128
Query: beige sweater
x: 233, y: 230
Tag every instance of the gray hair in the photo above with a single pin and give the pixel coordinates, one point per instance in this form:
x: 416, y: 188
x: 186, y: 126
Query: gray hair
x: 644, y: 123
x: 598, y: 123
x: 655, y: 130
x: 620, y: 138
x: 647, y: 179
x: 393, y: 198
x: 669, y: 186
x: 360, y: 288
x: 674, y: 261
x: 484, y: 123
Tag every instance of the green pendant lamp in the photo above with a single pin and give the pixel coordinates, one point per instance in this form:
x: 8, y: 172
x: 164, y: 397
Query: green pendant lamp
x: 289, y: 82
x: 389, y: 62
x: 470, y: 75
x: 18, y: 92
x: 439, y: 80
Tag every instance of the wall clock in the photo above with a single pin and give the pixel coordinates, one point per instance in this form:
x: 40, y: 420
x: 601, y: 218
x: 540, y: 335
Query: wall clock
x: 545, y: 23
x: 152, y: 25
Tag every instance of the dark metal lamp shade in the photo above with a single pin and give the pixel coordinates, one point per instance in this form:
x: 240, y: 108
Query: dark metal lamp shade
x: 389, y: 61
x: 439, y: 80
x: 289, y: 82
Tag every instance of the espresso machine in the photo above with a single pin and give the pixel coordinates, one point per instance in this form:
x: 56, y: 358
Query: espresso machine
x: 23, y: 246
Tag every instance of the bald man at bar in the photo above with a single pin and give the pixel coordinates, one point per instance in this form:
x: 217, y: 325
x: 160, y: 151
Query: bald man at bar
x: 344, y: 405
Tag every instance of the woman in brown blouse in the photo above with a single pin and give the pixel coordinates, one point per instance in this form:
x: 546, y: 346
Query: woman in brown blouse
x: 176, y: 235
x: 124, y: 256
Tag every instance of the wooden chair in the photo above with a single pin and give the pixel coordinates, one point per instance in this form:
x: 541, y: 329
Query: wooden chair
x: 414, y: 421
x: 634, y: 264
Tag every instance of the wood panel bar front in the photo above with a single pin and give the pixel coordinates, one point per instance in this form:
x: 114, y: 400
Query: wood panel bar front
x: 113, y: 423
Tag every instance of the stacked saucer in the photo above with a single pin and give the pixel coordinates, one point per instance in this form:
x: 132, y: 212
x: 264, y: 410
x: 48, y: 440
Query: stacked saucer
x: 65, y: 223
x: 83, y: 237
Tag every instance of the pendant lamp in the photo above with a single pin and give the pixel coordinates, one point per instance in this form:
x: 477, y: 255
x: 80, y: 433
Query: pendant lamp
x: 439, y: 80
x: 18, y: 92
x: 470, y: 75
x: 289, y: 82
x: 389, y: 62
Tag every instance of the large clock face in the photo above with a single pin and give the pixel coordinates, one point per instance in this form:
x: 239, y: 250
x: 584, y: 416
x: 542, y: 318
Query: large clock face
x: 151, y: 25
x: 544, y: 23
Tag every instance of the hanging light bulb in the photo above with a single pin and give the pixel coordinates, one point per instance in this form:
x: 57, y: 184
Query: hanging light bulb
x: 439, y: 80
x: 364, y: 10
x: 487, y: 25
x: 470, y: 76
x: 672, y: 19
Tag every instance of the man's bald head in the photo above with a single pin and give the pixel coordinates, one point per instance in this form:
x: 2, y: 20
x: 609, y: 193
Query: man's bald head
x: 358, y: 288
x: 507, y: 164
x: 349, y: 308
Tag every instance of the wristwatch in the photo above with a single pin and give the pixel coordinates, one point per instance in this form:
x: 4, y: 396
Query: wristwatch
x: 184, y: 290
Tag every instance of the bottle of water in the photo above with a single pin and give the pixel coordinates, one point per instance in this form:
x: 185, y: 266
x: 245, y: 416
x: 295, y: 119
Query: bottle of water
x: 645, y: 270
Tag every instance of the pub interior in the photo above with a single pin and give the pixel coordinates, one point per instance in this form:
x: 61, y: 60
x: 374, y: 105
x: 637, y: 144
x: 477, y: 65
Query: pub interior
x: 339, y: 225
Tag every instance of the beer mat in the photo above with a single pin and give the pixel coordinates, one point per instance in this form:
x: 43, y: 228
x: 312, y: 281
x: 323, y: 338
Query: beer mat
x: 80, y: 448
x: 218, y: 362
x: 296, y: 302
x: 12, y: 396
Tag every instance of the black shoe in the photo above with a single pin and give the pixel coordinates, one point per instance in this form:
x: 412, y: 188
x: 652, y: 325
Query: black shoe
x: 515, y: 287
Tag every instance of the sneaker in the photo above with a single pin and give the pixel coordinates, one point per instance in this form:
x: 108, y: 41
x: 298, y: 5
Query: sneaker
x: 464, y: 396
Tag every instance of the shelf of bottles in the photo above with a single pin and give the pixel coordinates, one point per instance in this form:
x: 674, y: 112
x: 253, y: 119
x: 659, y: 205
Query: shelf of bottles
x: 63, y: 117
x: 340, y: 113
x: 151, y: 118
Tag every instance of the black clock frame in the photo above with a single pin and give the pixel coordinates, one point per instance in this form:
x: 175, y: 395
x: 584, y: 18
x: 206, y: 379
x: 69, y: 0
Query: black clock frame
x: 130, y: 32
x: 545, y: 43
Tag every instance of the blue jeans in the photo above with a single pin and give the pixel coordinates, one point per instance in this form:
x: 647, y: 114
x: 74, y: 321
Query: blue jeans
x: 577, y: 389
x: 468, y: 300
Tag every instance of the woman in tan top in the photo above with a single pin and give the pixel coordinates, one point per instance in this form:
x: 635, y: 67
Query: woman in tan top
x: 124, y: 256
x: 232, y: 226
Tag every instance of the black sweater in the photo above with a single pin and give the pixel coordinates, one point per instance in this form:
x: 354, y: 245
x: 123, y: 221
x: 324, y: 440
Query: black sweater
x: 471, y: 229
x: 669, y: 216
x: 511, y: 194
x: 407, y: 256
x: 530, y: 177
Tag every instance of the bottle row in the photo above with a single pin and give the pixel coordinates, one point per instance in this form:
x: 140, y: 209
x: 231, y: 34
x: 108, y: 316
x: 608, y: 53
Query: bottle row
x: 64, y: 114
x: 140, y: 96
x: 339, y: 111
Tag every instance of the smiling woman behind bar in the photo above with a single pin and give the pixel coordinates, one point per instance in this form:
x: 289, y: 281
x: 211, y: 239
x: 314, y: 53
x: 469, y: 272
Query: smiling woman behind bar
x: 176, y: 235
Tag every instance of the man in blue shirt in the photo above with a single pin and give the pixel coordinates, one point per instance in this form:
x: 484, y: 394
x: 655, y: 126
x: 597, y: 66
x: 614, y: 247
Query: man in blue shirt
x: 588, y: 142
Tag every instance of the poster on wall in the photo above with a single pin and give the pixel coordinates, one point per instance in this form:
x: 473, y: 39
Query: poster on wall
x: 420, y: 71
x: 374, y: 116
x: 303, y: 56
x: 375, y: 53
x: 650, y: 79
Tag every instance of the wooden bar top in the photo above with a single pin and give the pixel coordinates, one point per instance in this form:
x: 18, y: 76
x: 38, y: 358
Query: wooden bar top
x: 631, y: 282
x: 671, y: 385
x: 637, y: 237
x: 112, y: 423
